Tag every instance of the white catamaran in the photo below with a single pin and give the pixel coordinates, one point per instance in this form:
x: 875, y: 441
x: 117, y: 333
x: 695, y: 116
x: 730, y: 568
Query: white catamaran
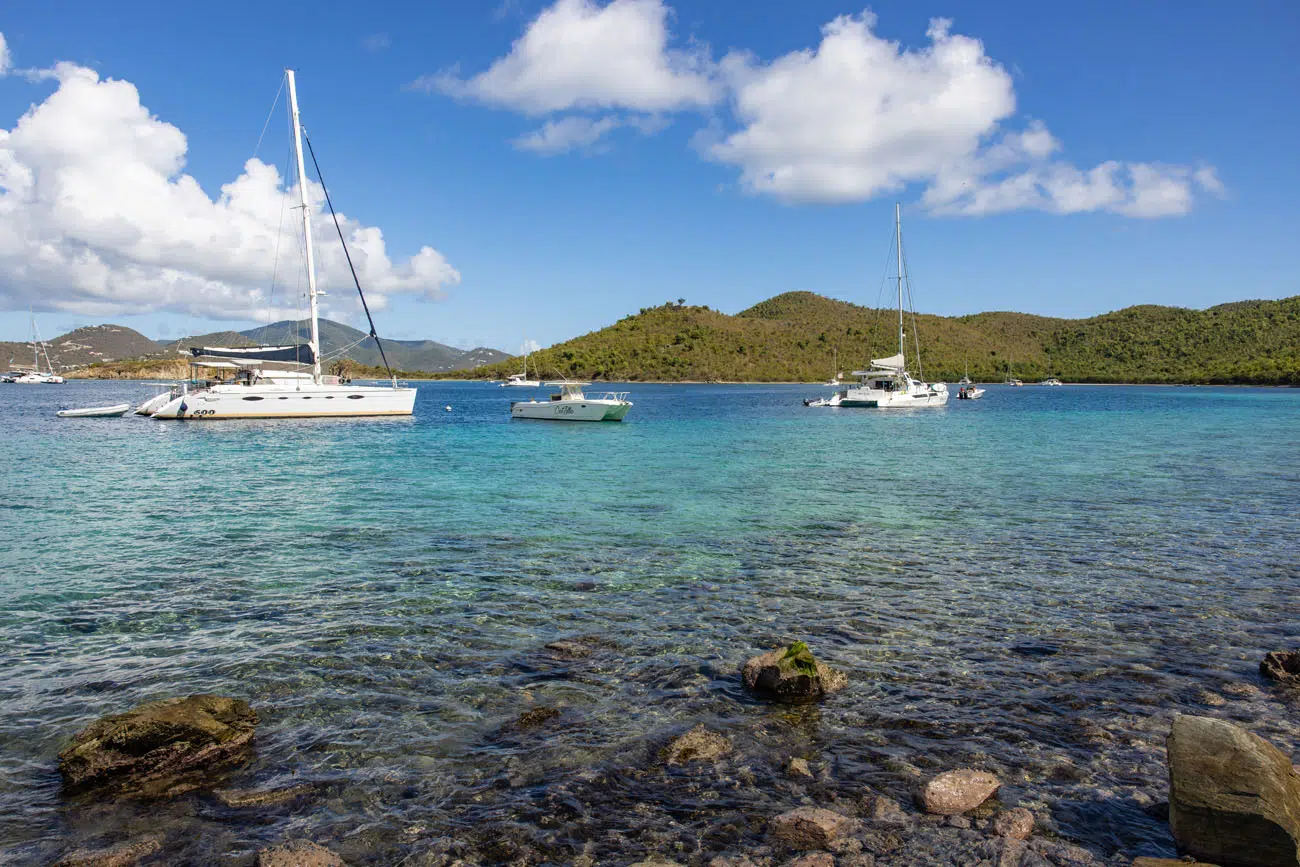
x: 36, y: 376
x: 284, y: 381
x: 888, y: 385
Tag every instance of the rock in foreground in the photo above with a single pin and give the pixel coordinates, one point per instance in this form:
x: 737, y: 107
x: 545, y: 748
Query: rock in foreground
x: 299, y: 853
x: 123, y: 855
x: 1282, y: 666
x: 787, y: 674
x: 698, y: 744
x: 145, y: 748
x: 810, y: 828
x: 955, y: 792
x: 1234, y: 798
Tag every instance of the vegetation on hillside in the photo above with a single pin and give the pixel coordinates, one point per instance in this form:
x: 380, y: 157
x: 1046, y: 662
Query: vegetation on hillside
x: 795, y: 336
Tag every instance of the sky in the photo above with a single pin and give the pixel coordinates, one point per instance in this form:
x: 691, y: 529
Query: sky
x: 512, y: 171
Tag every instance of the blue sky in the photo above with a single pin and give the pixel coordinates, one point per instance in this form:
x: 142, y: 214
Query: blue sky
x: 1062, y: 162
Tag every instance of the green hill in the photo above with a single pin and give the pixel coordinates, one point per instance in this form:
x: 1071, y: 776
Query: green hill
x: 795, y: 336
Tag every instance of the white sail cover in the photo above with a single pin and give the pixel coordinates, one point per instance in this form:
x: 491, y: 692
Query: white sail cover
x: 893, y: 362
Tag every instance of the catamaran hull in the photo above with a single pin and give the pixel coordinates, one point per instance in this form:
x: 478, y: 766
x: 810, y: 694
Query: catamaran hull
x: 895, y: 401
x: 570, y: 410
x: 306, y: 402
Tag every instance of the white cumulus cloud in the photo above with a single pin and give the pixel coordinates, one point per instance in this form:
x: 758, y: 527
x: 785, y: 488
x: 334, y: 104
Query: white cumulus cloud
x: 4, y: 55
x: 859, y: 116
x: 578, y: 54
x: 97, y: 217
x: 567, y: 133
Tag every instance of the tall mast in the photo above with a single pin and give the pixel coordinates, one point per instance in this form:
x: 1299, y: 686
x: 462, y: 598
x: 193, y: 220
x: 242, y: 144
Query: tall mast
x: 898, y: 243
x: 306, y: 226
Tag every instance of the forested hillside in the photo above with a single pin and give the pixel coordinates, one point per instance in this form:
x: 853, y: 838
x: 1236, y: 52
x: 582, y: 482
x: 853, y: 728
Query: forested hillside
x: 798, y: 335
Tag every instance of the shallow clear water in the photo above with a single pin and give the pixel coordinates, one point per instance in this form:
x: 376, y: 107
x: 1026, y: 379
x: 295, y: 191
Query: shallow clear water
x: 1032, y: 583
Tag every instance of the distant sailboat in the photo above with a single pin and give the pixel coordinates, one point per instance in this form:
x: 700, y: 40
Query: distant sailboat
x: 521, y: 380
x: 888, y: 384
x: 36, y: 376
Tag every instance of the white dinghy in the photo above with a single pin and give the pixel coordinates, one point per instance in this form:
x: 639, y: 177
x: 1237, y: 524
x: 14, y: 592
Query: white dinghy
x: 571, y: 404
x: 96, y: 411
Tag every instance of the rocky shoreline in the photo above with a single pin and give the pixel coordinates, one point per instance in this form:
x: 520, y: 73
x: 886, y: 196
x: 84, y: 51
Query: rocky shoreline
x: 1234, y: 798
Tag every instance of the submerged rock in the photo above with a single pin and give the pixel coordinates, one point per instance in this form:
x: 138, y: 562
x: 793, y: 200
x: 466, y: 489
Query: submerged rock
x: 299, y: 853
x: 955, y: 792
x: 888, y: 813
x: 698, y: 744
x: 813, y: 859
x: 577, y: 648
x: 144, y: 750
x: 1168, y: 862
x: 531, y: 719
x: 1282, y: 666
x: 810, y: 827
x: 122, y: 855
x: 1234, y: 798
x: 1017, y: 823
x: 238, y: 798
x: 791, y: 674
x: 799, y: 768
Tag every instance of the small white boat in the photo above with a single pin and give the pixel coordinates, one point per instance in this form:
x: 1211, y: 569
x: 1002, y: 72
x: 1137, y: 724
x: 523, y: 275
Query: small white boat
x: 155, y: 403
x: 833, y: 400
x: 95, y: 411
x: 970, y: 392
x: 571, y: 404
x: 521, y: 380
x: 1052, y: 381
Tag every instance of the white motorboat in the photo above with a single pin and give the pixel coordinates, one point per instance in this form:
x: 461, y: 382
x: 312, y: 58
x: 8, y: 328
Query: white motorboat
x: 1051, y: 381
x: 284, y: 381
x: 116, y: 411
x: 570, y: 403
x: 888, y: 384
x: 968, y: 390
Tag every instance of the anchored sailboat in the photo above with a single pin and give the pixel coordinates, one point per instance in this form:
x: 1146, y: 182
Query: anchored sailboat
x: 286, y: 381
x: 36, y: 376
x: 888, y: 384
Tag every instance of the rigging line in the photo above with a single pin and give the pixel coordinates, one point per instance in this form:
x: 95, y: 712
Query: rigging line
x: 274, y: 103
x: 880, y: 293
x: 279, y: 234
x: 348, y: 256
x: 916, y: 331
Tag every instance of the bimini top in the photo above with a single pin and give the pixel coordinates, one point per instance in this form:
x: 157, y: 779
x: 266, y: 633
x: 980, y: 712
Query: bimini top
x: 300, y: 354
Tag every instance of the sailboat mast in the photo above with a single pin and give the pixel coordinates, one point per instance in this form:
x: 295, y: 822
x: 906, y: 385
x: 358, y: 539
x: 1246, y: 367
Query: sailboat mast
x: 898, y: 243
x: 306, y: 226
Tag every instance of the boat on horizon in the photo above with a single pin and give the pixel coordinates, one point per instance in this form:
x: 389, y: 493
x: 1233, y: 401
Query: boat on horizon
x: 521, y: 380
x: 570, y: 403
x: 968, y: 390
x: 284, y: 381
x: 35, y: 376
x: 888, y: 384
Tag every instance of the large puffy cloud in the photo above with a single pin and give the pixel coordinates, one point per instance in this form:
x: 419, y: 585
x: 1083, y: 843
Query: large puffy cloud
x: 97, y: 217
x: 579, y: 54
x: 861, y: 116
x: 856, y: 117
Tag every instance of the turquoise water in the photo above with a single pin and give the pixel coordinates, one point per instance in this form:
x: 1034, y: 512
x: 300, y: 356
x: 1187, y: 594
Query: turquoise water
x: 1032, y: 583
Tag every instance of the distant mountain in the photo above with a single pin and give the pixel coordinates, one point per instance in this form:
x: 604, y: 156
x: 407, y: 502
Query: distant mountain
x: 107, y: 344
x: 796, y: 336
x: 94, y: 343
x: 413, y: 355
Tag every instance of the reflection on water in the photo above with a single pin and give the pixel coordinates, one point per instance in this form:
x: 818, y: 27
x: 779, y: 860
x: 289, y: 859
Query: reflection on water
x: 1033, y: 583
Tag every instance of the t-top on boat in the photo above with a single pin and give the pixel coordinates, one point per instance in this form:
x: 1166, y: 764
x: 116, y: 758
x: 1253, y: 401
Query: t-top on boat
x: 571, y: 404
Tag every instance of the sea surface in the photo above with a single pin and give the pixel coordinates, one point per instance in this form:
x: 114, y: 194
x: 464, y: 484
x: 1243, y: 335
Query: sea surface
x: 1033, y: 584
